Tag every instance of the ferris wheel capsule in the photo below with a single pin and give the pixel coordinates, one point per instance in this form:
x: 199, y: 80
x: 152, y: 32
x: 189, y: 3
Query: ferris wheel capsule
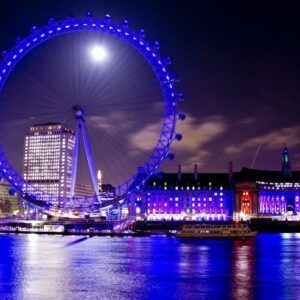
x: 181, y: 116
x: 156, y: 175
x: 142, y: 33
x: 3, y: 53
x: 180, y: 96
x: 18, y: 40
x: 178, y: 136
x: 168, y: 60
x: 160, y: 175
x: 171, y: 156
x: 12, y: 192
x: 107, y: 17
x: 157, y: 46
x: 125, y: 23
x: 140, y: 170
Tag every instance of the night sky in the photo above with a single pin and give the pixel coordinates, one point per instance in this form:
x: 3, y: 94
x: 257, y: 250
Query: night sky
x: 238, y: 63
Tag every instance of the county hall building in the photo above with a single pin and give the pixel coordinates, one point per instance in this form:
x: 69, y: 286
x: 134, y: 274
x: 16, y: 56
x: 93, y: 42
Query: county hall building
x: 241, y: 195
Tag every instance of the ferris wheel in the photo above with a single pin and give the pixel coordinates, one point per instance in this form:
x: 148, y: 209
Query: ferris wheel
x: 126, y: 124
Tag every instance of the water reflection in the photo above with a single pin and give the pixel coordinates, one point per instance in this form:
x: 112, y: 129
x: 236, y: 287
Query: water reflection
x: 41, y: 267
x: 289, y: 264
x: 243, y: 266
x: 45, y: 268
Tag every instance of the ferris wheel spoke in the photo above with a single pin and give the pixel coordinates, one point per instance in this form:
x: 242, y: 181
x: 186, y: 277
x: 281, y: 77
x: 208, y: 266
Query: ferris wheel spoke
x: 116, y: 171
x: 124, y: 99
x: 114, y: 143
x: 107, y: 95
x: 107, y: 161
x: 126, y: 94
x: 104, y: 89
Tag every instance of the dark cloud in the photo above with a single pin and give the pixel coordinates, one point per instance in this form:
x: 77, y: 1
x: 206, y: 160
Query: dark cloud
x: 239, y: 67
x: 273, y: 140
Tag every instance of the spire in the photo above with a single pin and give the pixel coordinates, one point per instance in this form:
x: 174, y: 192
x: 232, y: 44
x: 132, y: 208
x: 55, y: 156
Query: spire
x: 179, y: 172
x: 286, y: 163
x: 99, y: 180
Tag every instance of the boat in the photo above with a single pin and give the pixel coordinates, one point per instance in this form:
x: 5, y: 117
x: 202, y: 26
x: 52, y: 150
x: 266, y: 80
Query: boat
x: 215, y: 231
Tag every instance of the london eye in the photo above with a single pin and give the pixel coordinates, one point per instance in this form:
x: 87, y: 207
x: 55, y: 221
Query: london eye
x: 106, y: 89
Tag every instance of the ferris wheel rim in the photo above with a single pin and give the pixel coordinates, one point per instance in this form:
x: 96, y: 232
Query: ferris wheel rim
x: 150, y: 53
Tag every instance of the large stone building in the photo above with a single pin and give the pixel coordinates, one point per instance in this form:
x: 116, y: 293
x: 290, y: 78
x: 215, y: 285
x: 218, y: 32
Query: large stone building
x: 260, y: 193
x: 240, y: 195
x: 194, y: 196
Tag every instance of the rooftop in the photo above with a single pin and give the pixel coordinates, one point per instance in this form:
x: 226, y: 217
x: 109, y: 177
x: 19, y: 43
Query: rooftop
x: 247, y: 174
x: 204, y: 180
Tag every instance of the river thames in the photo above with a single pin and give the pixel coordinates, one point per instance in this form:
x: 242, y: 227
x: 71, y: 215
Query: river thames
x: 68, y: 267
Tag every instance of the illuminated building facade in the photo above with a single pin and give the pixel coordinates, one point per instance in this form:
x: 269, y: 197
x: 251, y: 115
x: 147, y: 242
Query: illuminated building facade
x: 260, y: 193
x: 82, y: 190
x: 241, y: 195
x: 193, y: 196
x: 48, y: 158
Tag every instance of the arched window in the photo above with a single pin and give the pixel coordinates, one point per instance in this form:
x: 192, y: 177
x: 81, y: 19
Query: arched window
x: 246, y: 203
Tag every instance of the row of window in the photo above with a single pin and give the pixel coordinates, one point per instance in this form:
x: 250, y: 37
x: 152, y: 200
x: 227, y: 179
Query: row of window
x: 185, y: 204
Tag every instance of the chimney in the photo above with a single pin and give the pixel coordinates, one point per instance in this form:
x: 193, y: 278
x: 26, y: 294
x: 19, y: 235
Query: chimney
x: 195, y: 172
x: 179, y: 172
x: 230, y: 170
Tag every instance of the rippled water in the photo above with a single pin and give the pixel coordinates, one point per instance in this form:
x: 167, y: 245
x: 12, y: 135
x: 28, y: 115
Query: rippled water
x: 55, y: 267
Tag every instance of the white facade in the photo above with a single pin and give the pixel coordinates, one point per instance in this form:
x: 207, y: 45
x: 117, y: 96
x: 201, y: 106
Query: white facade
x: 48, y: 158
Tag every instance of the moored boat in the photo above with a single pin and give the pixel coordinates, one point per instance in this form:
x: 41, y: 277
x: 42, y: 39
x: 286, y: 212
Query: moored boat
x: 215, y: 231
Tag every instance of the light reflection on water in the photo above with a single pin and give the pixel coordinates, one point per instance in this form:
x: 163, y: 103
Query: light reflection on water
x: 56, y: 267
x: 242, y: 273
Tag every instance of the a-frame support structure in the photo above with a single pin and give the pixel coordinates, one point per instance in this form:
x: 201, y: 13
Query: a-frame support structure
x: 81, y: 130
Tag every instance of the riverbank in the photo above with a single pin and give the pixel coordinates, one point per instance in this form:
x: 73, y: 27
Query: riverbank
x: 137, y: 228
x: 259, y: 225
x: 74, y: 233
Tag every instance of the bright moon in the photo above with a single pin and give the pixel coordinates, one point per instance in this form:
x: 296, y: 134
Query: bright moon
x: 98, y: 53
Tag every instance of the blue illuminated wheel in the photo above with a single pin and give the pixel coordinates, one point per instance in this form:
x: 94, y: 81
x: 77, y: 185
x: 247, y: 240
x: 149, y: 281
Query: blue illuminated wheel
x: 166, y: 80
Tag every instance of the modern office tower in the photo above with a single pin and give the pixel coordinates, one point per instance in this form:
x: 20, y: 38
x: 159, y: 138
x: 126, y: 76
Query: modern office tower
x: 48, y: 158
